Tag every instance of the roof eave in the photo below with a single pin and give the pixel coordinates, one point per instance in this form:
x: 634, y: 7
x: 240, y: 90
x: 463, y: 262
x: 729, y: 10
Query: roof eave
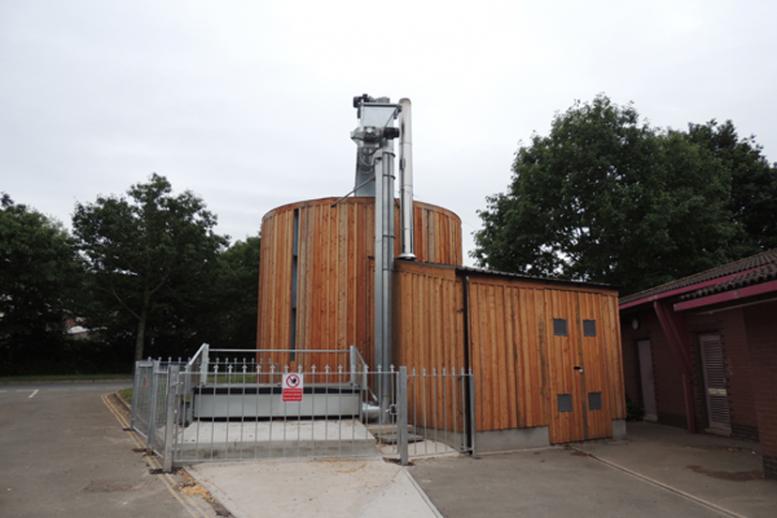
x: 679, y: 291
x: 728, y: 296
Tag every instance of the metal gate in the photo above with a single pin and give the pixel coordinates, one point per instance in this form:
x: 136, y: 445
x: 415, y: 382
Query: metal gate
x: 231, y: 405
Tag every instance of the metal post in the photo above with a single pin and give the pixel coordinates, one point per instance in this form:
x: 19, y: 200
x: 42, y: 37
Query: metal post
x: 135, y: 395
x: 406, y: 178
x: 471, y: 409
x: 402, y: 434
x: 204, y: 364
x: 151, y: 432
x: 352, y: 363
x: 170, y: 411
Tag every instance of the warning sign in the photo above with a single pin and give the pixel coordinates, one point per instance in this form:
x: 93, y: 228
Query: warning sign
x: 292, y: 385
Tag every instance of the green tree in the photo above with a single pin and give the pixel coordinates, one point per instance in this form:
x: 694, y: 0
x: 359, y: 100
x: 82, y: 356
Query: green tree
x: 220, y: 310
x: 237, y: 285
x: 150, y: 254
x: 39, y: 275
x: 605, y: 197
x: 753, y: 180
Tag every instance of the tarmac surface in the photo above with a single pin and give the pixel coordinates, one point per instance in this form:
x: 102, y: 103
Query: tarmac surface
x: 725, y: 472
x: 550, y: 482
x: 657, y: 471
x: 63, y: 453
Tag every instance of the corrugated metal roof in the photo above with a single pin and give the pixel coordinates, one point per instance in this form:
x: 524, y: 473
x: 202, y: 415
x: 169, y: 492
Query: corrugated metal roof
x: 526, y: 277
x: 754, y: 269
x: 759, y: 274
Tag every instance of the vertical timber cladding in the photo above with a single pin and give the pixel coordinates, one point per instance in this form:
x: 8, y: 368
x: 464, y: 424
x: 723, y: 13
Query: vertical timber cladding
x: 507, y: 354
x: 429, y: 335
x: 334, y: 273
x: 584, y: 364
x: 521, y: 366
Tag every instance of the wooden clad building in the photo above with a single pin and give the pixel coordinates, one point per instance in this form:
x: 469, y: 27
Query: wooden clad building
x: 545, y: 353
x: 317, y: 268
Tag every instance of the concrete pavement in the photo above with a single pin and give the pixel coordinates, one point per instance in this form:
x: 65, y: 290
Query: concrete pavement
x: 64, y: 454
x: 323, y: 488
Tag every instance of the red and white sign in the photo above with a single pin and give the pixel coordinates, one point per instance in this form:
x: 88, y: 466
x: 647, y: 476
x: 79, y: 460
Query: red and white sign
x: 291, y: 387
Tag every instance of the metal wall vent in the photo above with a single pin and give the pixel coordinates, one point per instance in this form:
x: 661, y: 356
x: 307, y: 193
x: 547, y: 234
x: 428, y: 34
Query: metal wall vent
x: 564, y: 402
x: 589, y: 327
x: 559, y: 327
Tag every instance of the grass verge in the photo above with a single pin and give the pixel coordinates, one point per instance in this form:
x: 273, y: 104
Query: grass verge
x: 126, y: 395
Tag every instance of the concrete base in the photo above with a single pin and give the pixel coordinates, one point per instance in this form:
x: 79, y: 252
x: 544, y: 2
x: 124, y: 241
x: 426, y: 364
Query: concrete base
x: 209, y: 440
x: 618, y: 429
x: 515, y: 439
x: 315, y: 430
x: 456, y: 441
x: 275, y: 450
x: 336, y: 489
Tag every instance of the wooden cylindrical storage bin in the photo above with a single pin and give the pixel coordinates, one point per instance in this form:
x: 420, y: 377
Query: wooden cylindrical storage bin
x: 316, y: 272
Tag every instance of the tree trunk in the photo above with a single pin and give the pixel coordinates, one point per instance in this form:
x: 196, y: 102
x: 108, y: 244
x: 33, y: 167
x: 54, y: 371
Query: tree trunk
x: 140, y: 335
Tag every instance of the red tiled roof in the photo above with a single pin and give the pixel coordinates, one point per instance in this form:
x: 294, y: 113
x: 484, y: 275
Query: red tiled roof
x: 744, y: 272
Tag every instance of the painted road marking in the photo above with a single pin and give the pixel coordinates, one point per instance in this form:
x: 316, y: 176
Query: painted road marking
x: 644, y: 478
x: 33, y: 394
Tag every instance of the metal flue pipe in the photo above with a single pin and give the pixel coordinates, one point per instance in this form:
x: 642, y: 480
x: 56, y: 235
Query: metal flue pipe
x: 406, y: 178
x: 384, y: 256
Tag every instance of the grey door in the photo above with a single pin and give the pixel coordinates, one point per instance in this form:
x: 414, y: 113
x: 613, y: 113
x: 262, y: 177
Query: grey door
x: 646, y: 378
x: 715, y: 383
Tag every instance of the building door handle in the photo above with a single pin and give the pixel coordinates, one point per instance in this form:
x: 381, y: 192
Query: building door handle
x: 578, y: 369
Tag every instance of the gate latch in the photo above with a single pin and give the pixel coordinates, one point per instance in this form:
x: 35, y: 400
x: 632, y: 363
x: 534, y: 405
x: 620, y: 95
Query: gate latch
x: 578, y: 369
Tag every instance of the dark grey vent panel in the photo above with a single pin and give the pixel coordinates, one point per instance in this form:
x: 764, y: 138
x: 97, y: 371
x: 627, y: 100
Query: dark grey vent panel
x: 559, y: 327
x: 564, y: 402
x: 589, y: 327
x: 594, y: 401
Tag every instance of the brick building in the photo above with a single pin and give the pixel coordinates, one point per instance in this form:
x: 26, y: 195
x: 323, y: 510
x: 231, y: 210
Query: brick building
x: 705, y: 346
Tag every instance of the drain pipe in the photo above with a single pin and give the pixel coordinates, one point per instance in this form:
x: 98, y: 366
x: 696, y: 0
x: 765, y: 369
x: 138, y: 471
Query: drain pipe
x: 469, y: 388
x: 406, y: 178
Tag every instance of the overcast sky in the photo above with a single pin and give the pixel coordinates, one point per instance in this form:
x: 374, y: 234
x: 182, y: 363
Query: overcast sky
x: 248, y: 104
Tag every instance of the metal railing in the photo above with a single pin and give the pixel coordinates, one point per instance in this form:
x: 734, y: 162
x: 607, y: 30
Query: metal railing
x: 217, y: 407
